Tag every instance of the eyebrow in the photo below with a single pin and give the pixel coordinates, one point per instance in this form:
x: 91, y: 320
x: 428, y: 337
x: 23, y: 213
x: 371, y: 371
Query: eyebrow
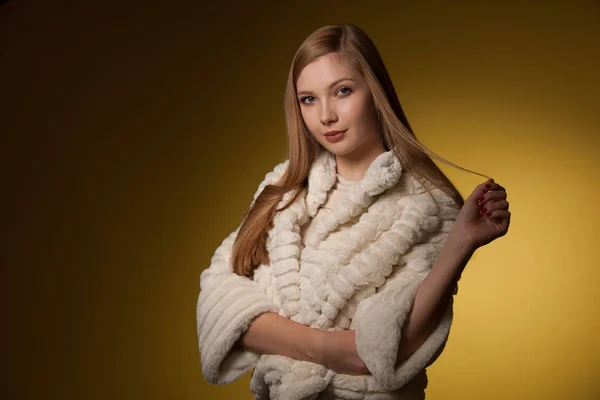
x: 330, y: 85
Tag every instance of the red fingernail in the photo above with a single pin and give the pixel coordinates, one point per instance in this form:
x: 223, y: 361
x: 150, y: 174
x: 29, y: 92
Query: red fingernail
x: 488, y: 186
x: 480, y: 199
x: 489, y: 214
x: 483, y: 211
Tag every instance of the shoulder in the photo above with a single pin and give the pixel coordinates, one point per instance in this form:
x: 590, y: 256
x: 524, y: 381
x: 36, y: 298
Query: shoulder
x: 425, y: 196
x: 272, y: 176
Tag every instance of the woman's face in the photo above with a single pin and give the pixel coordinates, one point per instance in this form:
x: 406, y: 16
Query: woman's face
x: 335, y: 98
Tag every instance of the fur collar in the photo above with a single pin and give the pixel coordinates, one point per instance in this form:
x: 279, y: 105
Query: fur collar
x: 312, y: 284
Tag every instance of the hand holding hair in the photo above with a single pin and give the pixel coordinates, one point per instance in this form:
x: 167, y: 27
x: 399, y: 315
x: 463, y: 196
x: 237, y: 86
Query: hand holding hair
x: 484, y: 216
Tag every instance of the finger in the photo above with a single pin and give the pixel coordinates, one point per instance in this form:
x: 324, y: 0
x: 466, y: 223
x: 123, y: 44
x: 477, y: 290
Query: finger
x: 492, y: 204
x: 481, y: 189
x: 497, y: 205
x: 493, y: 196
x: 499, y: 214
x: 495, y: 187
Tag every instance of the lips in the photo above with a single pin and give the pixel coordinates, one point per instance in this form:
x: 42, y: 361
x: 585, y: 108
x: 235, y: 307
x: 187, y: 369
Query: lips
x: 333, y: 137
x: 332, y: 133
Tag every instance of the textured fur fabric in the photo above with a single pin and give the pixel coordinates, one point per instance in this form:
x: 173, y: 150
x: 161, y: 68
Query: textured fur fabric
x: 366, y: 281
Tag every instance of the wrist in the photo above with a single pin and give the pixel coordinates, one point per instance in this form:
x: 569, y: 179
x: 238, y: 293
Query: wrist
x: 455, y: 254
x: 318, y: 345
x: 460, y: 244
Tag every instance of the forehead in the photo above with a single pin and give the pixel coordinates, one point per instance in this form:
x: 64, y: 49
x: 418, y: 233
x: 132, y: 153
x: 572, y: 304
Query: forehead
x: 322, y: 72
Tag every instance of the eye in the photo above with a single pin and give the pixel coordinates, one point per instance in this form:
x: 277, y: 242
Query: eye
x: 302, y: 100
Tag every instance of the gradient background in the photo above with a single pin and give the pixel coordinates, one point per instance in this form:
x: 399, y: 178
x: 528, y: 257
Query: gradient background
x: 134, y: 135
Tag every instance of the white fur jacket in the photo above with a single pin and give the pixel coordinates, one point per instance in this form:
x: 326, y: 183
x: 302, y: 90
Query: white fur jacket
x: 366, y: 282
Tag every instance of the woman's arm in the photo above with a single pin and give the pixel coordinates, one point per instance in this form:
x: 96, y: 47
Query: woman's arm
x: 270, y: 333
x: 398, y: 349
x: 434, y: 293
x: 471, y: 230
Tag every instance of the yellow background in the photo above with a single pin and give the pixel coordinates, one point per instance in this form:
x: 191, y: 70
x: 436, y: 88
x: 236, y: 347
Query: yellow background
x: 135, y: 133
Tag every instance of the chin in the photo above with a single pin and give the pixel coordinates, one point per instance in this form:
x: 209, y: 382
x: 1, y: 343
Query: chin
x: 340, y: 149
x: 337, y: 150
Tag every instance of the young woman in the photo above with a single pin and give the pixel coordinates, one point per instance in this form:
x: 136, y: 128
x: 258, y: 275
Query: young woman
x: 339, y: 282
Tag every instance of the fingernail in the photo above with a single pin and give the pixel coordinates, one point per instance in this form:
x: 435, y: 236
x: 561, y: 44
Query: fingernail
x: 483, y: 211
x: 489, y: 214
x: 488, y: 186
x: 480, y: 199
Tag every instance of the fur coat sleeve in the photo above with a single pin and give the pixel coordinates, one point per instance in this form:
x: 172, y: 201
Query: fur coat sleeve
x: 226, y: 305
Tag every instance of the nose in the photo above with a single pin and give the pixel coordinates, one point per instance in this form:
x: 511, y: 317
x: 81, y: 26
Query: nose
x: 328, y: 114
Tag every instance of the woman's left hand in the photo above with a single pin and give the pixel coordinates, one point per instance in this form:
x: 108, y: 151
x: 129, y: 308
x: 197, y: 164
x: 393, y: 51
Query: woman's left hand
x: 484, y: 216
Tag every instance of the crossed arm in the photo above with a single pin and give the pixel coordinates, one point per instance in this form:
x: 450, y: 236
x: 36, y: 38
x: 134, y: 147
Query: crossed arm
x: 270, y: 333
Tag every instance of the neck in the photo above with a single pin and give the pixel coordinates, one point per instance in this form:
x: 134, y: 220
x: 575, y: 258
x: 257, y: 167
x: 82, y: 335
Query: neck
x: 353, y: 166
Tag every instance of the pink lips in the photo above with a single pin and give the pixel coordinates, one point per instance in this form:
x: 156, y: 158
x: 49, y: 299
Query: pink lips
x: 335, y: 137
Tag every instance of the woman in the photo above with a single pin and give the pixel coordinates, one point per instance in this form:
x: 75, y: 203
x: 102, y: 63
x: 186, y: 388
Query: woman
x: 338, y: 283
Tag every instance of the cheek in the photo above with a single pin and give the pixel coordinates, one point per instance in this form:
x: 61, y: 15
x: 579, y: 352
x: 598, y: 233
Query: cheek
x: 311, y: 120
x: 357, y: 113
x: 306, y: 116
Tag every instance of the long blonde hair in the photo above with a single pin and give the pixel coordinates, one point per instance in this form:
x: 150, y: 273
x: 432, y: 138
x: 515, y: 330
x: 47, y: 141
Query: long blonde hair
x: 358, y: 51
